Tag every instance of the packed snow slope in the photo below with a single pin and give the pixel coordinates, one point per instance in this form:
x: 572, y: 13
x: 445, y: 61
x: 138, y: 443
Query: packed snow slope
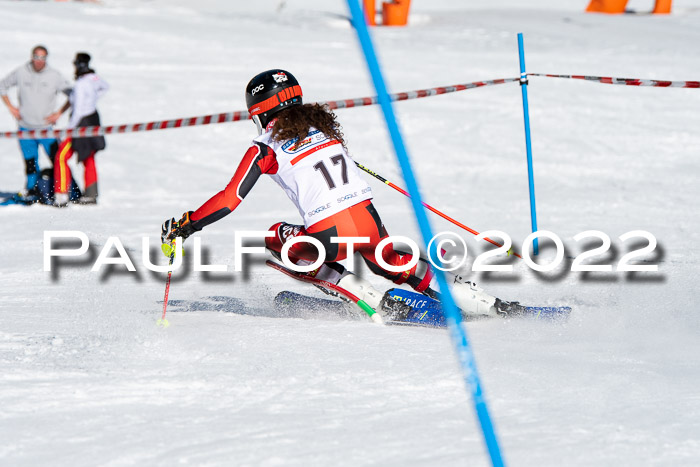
x: 86, y: 377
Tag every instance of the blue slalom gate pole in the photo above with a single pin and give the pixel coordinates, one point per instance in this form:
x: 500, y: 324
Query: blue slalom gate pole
x: 528, y: 144
x: 452, y: 314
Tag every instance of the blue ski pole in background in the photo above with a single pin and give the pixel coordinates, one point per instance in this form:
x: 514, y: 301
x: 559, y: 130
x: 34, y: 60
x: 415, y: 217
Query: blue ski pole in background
x: 528, y: 144
x: 452, y: 314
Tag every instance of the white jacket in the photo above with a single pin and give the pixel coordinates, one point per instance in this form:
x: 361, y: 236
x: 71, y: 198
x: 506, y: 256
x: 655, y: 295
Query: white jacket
x: 83, y: 99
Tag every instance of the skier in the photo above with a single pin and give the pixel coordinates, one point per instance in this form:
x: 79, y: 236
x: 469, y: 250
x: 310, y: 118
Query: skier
x: 302, y: 148
x: 89, y: 87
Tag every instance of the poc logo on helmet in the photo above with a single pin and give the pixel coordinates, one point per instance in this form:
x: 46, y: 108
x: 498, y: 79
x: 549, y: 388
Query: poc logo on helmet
x: 279, y: 77
x: 257, y: 89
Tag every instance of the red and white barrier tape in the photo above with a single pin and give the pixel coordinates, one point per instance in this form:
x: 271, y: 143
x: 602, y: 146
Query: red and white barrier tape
x: 127, y: 128
x: 340, y: 104
x: 627, y: 81
x: 404, y: 96
x: 235, y: 116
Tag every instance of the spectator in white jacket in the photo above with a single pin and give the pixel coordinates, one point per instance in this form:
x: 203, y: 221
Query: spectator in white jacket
x: 88, y: 88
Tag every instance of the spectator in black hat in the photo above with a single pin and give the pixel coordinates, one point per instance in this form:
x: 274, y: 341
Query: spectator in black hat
x: 89, y: 87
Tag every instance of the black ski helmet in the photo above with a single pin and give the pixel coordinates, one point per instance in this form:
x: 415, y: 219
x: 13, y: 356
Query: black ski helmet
x: 268, y: 93
x: 82, y: 63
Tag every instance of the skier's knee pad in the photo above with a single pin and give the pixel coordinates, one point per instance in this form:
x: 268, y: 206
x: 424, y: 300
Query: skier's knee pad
x: 53, y: 150
x: 31, y: 166
x: 283, y: 232
x: 274, y: 243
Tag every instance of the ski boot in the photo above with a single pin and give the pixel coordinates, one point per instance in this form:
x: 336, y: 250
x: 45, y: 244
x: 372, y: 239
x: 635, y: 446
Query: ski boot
x: 472, y: 300
x: 509, y: 308
x: 90, y: 195
x: 26, y: 197
x: 385, y: 305
x: 394, y: 309
x: 61, y: 200
x: 363, y: 290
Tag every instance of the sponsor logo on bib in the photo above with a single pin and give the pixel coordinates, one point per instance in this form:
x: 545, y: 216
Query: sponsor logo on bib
x: 294, y: 146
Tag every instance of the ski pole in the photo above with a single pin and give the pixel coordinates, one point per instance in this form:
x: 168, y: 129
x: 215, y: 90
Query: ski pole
x: 444, y: 216
x: 162, y: 321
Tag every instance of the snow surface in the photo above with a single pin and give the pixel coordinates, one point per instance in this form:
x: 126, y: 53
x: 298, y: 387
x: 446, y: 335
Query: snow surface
x: 86, y: 377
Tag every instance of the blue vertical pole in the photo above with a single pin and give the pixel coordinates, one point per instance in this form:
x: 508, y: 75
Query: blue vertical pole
x: 452, y: 314
x: 528, y: 144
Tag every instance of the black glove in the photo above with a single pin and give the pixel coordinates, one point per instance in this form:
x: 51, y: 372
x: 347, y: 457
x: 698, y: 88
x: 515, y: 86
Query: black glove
x: 172, y: 229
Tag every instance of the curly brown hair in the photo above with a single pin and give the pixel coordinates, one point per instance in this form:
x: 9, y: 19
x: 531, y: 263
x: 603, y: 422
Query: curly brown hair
x: 296, y: 121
